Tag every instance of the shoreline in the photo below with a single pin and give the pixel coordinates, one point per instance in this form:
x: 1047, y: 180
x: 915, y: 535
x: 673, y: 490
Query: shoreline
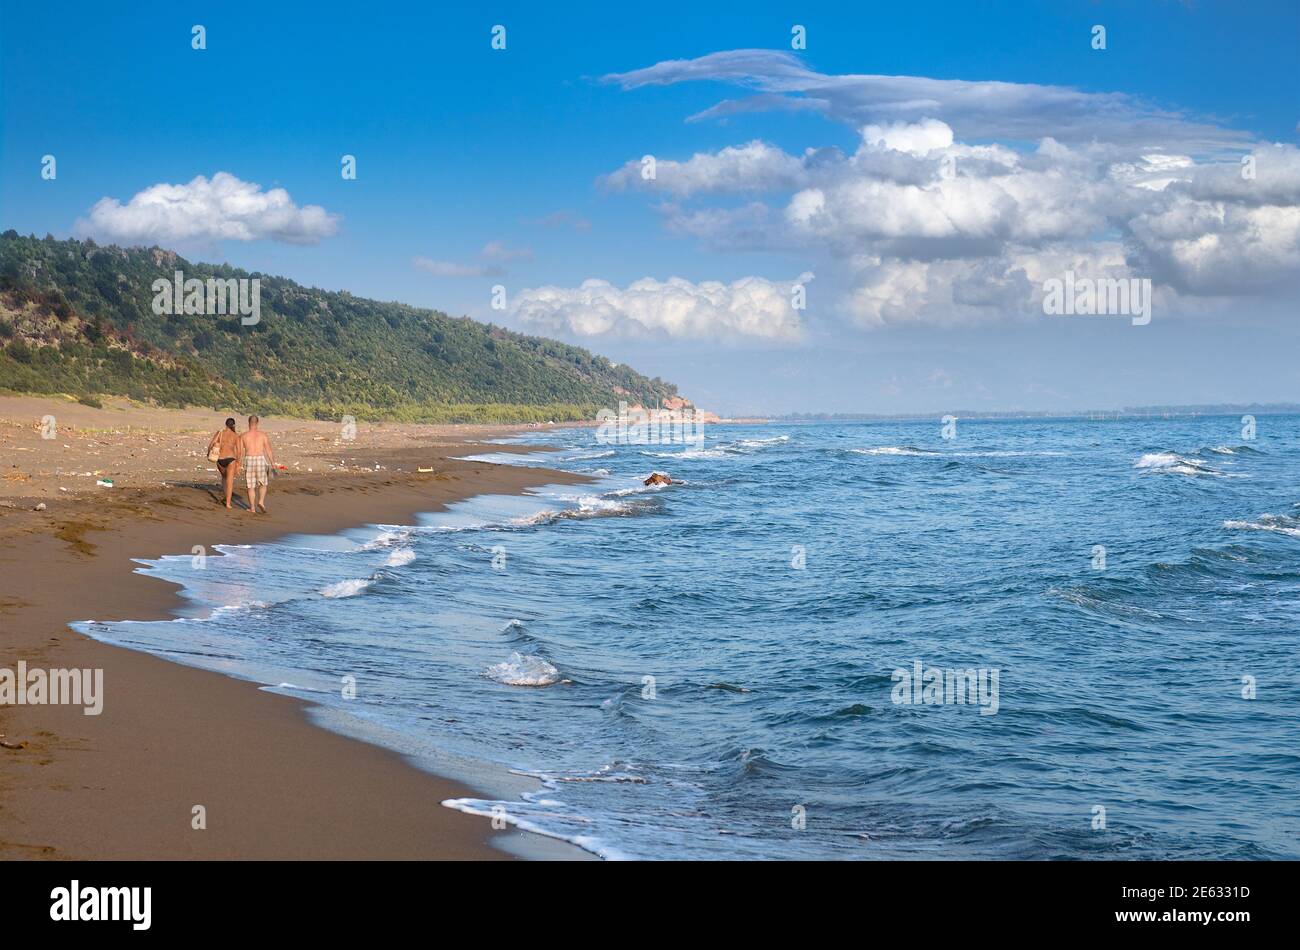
x: 272, y: 781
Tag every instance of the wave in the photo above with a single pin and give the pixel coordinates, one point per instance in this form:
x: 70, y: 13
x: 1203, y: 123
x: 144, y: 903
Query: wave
x: 516, y: 632
x: 242, y: 606
x: 400, y: 557
x: 1227, y: 450
x: 387, y: 538
x: 521, y: 670
x: 722, y: 450
x: 987, y: 453
x: 644, y: 489
x: 348, y: 588
x: 1280, y: 524
x: 718, y: 453
x: 587, y: 456
x: 508, y: 812
x: 588, y: 506
x: 305, y: 689
x: 1171, y: 463
x: 893, y: 450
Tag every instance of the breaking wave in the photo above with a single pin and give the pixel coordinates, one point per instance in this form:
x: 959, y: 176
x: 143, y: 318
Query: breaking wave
x: 521, y: 670
x: 348, y: 588
x: 1280, y: 524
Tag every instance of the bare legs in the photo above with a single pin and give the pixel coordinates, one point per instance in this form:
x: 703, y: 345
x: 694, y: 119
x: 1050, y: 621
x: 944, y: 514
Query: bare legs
x: 228, y: 480
x: 257, y: 498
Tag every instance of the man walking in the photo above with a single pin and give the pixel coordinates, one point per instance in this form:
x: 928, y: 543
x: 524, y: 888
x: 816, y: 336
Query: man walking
x: 257, y: 460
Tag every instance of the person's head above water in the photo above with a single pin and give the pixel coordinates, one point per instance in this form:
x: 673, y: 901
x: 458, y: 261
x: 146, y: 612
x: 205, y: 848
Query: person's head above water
x: 230, y: 423
x: 253, y: 421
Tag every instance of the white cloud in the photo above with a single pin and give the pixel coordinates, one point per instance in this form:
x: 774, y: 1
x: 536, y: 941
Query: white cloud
x: 493, y: 252
x: 498, y: 251
x: 920, y: 138
x: 917, y: 225
x: 455, y: 269
x: 973, y: 109
x: 222, y: 208
x: 749, y: 308
x: 942, y: 231
x: 750, y: 167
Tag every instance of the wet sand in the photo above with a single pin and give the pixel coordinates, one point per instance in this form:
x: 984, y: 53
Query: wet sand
x: 124, y: 784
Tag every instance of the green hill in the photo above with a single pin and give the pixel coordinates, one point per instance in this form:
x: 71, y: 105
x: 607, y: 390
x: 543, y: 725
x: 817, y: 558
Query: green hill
x: 77, y: 318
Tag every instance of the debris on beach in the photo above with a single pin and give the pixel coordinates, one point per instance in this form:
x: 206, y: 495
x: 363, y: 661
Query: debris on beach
x: 40, y: 507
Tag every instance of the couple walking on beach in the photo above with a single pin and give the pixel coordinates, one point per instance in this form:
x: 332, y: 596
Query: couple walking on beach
x: 250, y: 451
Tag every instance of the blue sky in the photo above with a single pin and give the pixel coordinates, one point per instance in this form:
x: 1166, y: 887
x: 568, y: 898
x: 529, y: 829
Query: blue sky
x: 493, y: 167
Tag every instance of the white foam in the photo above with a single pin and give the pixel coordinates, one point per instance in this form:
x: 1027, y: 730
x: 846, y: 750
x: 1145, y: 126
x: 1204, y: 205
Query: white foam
x: 992, y: 453
x: 522, y: 670
x: 1275, y: 523
x: 643, y: 488
x: 586, y: 506
x: 387, y: 538
x: 691, y: 454
x: 295, y: 686
x: 236, y: 608
x: 1174, y: 464
x: 502, y: 810
x: 892, y: 450
x: 348, y: 588
x: 400, y: 557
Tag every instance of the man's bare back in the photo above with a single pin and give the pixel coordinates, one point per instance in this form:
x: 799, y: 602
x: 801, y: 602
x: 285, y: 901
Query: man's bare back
x: 259, y: 461
x: 255, y: 442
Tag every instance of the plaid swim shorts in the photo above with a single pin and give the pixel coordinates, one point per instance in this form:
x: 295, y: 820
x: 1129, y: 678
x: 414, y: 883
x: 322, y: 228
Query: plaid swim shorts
x: 256, y: 471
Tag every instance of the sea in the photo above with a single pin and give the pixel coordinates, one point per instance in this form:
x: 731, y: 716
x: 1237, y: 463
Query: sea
x: 1002, y: 639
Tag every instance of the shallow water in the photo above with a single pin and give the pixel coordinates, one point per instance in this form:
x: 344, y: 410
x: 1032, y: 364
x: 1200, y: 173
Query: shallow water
x: 707, y: 670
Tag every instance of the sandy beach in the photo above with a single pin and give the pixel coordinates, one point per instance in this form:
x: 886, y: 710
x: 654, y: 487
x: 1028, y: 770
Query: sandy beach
x: 124, y: 784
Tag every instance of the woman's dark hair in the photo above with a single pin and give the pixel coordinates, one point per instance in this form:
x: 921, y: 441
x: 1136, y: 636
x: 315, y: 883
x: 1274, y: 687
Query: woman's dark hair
x: 230, y: 423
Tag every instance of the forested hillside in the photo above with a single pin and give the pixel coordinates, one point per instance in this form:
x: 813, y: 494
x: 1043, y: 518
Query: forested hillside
x: 76, y: 317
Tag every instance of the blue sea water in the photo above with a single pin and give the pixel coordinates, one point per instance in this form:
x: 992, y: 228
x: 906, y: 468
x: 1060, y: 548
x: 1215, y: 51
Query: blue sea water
x: 707, y: 670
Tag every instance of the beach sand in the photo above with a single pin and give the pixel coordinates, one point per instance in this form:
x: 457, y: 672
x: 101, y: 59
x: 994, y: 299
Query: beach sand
x: 124, y: 784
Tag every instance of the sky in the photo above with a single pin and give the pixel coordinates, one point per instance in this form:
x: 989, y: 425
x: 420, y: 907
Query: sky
x: 862, y: 215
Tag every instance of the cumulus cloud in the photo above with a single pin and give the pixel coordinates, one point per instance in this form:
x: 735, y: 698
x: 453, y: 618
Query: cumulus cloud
x: 750, y: 308
x: 750, y: 167
x: 920, y: 138
x: 918, y: 225
x: 222, y: 208
x: 890, y: 291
